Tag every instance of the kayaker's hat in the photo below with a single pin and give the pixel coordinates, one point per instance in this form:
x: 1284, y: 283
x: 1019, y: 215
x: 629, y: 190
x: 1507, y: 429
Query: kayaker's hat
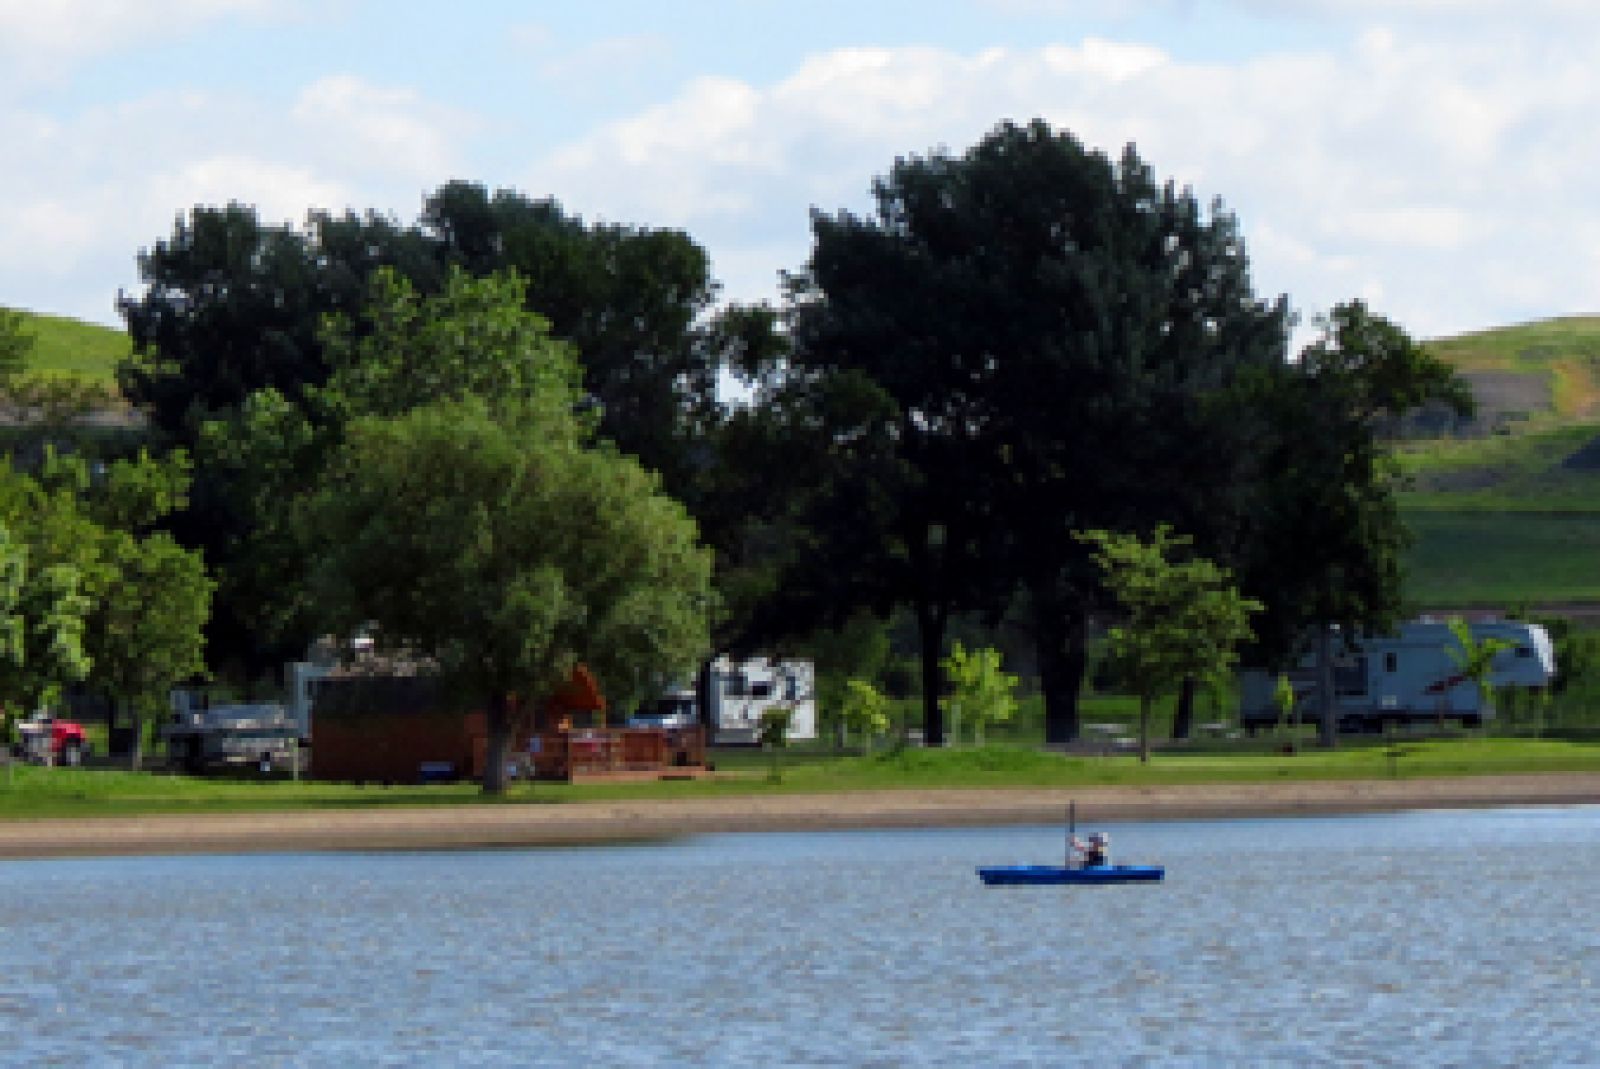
x: 1100, y: 838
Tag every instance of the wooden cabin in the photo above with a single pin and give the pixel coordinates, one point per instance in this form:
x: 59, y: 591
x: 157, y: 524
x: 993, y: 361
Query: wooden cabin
x: 404, y: 729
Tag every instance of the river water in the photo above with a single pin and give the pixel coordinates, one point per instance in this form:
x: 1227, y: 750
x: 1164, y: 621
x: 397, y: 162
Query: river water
x: 1461, y: 938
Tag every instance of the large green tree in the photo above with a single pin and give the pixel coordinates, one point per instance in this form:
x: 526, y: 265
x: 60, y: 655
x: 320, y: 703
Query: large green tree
x: 502, y: 549
x: 1043, y: 336
x: 229, y: 338
x: 637, y: 302
x: 1321, y: 540
x: 401, y: 349
x: 230, y: 306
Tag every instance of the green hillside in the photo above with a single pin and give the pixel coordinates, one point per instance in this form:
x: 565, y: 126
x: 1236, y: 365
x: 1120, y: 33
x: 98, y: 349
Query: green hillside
x: 1510, y: 514
x: 71, y: 347
x: 1561, y: 354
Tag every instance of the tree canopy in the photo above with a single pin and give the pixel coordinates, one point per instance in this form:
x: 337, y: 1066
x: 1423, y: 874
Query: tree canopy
x: 229, y: 335
x: 1027, y: 339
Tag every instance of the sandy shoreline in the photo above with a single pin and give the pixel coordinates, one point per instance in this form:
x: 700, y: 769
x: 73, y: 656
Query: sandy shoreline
x: 534, y: 824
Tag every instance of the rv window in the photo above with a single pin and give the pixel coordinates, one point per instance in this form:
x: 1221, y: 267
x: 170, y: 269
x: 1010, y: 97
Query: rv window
x: 1349, y: 677
x: 762, y: 689
x: 1391, y: 662
x: 1524, y: 651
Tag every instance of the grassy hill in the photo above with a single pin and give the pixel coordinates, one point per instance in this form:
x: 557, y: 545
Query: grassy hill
x: 70, y: 347
x: 1560, y: 355
x: 1511, y: 514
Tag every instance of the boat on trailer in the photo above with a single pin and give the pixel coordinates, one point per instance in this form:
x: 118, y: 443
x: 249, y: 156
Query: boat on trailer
x: 1011, y: 875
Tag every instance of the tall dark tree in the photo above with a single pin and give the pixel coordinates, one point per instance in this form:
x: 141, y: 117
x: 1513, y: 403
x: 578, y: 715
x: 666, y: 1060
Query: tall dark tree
x: 889, y: 375
x: 1052, y: 330
x: 1324, y: 536
x: 232, y: 307
x: 635, y: 301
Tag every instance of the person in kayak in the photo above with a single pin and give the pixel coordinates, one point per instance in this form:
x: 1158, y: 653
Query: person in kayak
x: 1095, y: 853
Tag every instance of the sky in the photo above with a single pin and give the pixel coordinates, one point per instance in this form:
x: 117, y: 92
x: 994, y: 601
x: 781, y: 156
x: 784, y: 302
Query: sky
x: 1437, y: 158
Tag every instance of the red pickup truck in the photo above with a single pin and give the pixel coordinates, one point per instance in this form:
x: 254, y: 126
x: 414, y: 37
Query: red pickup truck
x: 61, y: 740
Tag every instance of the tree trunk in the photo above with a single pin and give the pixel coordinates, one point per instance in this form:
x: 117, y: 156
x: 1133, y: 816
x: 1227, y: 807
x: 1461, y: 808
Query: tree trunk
x: 930, y: 633
x: 1144, y: 729
x: 705, y: 701
x: 498, y: 716
x: 1062, y: 644
x: 136, y: 750
x: 1183, y: 715
x: 1327, y: 728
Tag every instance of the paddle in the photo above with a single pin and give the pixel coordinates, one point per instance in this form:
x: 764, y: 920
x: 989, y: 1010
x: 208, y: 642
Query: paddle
x: 1072, y: 829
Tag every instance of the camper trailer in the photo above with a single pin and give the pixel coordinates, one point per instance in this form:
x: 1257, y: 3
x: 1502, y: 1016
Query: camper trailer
x: 739, y: 693
x: 1413, y: 675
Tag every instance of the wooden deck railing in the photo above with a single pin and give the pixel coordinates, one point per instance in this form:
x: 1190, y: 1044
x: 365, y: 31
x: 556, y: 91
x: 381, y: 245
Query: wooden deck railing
x: 561, y: 755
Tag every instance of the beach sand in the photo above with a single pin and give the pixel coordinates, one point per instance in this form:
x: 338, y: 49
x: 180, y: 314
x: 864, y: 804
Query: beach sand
x: 552, y: 824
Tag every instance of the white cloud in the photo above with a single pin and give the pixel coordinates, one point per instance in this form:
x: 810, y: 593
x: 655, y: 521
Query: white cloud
x: 1408, y: 155
x: 89, y: 190
x: 1409, y: 169
x: 364, y: 126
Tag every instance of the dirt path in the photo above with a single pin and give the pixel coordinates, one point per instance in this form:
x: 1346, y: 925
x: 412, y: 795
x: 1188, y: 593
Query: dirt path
x: 465, y: 827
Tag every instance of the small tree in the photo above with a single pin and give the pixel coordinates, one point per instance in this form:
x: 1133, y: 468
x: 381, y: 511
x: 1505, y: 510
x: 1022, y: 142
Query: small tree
x: 1181, y: 618
x: 147, y: 633
x: 1283, y: 699
x: 865, y: 710
x: 774, y: 735
x: 980, y: 691
x: 1475, y: 659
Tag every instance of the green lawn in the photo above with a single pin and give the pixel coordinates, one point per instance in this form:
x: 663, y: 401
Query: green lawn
x: 40, y: 792
x: 1502, y: 558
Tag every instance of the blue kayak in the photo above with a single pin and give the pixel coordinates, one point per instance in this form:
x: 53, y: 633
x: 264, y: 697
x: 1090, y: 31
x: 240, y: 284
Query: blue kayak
x: 998, y: 875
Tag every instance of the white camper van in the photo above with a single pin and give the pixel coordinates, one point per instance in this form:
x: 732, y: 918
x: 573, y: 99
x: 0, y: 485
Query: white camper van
x: 1412, y: 675
x: 740, y: 692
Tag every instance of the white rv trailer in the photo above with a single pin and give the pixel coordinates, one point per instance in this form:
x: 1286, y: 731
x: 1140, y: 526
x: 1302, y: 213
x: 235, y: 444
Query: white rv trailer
x: 740, y: 692
x: 1413, y: 675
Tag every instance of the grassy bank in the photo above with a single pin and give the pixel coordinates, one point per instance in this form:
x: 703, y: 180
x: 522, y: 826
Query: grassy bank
x: 41, y: 792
